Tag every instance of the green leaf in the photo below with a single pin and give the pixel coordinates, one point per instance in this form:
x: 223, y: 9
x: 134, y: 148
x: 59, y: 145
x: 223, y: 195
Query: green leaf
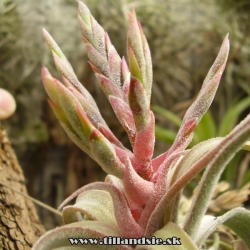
x: 133, y: 66
x: 246, y: 146
x: 104, y: 153
x: 231, y: 170
x: 246, y: 178
x: 232, y: 116
x: 128, y: 227
x: 193, y: 156
x: 167, y: 114
x: 219, y: 63
x: 49, y: 84
x: 82, y: 144
x: 238, y: 219
x: 166, y: 135
x: 222, y: 154
x: 53, y: 45
x: 209, y: 86
x: 91, y: 203
x: 137, y: 43
x: 68, y: 104
x: 64, y: 68
x: 84, y: 13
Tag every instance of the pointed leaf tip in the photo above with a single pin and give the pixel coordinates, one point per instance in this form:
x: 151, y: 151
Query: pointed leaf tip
x: 95, y: 69
x: 140, y: 27
x: 53, y: 46
x: 51, y: 86
x: 125, y: 69
x: 219, y: 63
x: 45, y: 72
x: 132, y: 13
x: 108, y: 42
x: 45, y: 32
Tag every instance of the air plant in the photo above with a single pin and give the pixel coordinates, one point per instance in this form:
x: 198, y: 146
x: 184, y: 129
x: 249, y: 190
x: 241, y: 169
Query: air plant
x: 140, y: 195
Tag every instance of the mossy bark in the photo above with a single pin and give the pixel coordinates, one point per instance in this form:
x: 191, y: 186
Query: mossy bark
x: 20, y: 226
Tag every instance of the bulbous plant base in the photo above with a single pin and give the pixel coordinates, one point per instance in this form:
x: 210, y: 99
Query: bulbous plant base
x: 20, y: 226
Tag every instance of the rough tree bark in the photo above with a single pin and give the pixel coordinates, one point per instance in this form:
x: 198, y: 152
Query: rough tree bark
x: 20, y: 226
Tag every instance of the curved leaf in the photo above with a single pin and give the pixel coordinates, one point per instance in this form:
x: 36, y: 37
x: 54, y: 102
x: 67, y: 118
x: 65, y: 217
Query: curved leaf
x: 136, y: 188
x: 230, y: 119
x: 64, y: 68
x: 97, y: 204
x: 207, y: 92
x: 104, y: 153
x: 171, y: 116
x: 206, y: 128
x: 238, y: 219
x: 193, y: 156
x: 230, y: 145
x: 126, y: 223
x: 59, y: 237
x: 83, y: 145
x: 139, y: 53
x: 219, y: 155
x: 163, y: 134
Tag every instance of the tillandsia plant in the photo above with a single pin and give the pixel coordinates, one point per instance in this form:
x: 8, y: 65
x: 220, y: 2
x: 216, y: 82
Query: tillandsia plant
x: 140, y: 196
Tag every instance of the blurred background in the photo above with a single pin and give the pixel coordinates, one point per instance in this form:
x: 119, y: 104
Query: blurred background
x: 184, y: 37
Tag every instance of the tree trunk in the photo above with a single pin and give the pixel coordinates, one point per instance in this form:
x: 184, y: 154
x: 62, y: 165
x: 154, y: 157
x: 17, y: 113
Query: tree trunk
x: 20, y: 226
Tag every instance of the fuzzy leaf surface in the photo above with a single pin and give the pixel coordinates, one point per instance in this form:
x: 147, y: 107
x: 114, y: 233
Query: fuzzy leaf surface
x: 126, y: 223
x: 59, y: 237
x: 96, y: 204
x: 222, y: 154
x: 238, y: 219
